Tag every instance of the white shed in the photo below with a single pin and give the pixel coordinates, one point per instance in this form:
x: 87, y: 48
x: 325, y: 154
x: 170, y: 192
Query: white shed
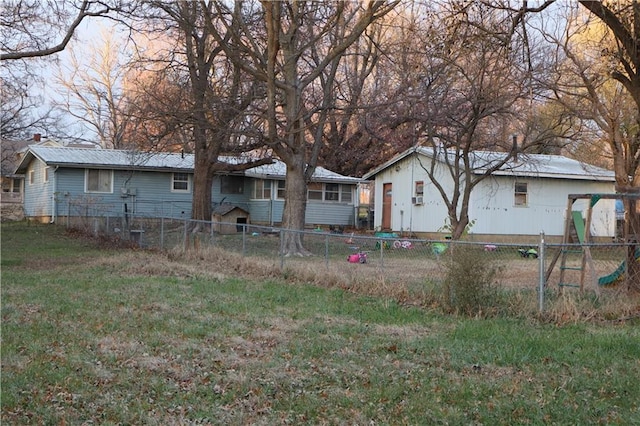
x: 526, y: 196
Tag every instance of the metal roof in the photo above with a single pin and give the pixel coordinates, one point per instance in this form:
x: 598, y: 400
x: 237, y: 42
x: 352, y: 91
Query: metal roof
x: 156, y: 161
x: 525, y: 165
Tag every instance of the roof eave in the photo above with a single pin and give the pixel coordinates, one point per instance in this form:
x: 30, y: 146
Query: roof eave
x: 391, y: 162
x: 512, y: 173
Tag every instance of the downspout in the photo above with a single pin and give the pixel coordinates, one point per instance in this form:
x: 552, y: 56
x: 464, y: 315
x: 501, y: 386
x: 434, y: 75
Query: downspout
x: 54, y: 188
x: 413, y: 165
x: 274, y: 185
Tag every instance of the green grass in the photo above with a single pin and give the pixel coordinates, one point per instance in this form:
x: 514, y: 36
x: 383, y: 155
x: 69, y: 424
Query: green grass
x: 89, y: 336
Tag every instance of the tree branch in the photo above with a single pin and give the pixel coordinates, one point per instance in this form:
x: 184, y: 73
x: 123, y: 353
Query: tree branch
x: 82, y: 13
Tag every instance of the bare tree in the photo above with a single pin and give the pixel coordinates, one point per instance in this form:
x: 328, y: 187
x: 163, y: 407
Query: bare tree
x: 466, y: 87
x: 21, y: 105
x: 347, y: 147
x: 217, y: 94
x: 36, y: 28
x: 598, y: 82
x: 290, y: 46
x: 91, y: 91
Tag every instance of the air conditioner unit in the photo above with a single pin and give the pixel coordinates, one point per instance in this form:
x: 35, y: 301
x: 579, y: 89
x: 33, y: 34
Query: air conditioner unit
x: 417, y: 200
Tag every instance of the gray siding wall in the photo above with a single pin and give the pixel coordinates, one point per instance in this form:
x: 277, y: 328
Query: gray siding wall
x: 266, y: 212
x: 38, y: 198
x: 330, y: 214
x: 150, y: 194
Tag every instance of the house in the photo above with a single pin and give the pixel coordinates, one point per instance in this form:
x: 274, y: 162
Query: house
x: 73, y: 182
x: 526, y: 196
x: 12, y: 182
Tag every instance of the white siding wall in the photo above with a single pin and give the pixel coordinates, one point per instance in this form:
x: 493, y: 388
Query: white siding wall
x: 492, y: 203
x: 406, y: 216
x: 493, y: 206
x: 38, y: 198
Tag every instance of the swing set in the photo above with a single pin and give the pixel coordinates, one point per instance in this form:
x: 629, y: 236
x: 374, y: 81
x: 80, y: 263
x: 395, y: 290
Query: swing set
x: 577, y: 239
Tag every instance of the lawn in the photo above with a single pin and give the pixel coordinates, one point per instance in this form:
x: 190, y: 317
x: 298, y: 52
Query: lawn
x: 96, y: 334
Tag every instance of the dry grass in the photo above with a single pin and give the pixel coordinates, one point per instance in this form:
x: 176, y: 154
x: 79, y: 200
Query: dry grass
x: 397, y: 282
x: 210, y: 337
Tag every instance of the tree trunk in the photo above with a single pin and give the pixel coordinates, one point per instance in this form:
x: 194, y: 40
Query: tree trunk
x: 293, y: 216
x: 202, y: 182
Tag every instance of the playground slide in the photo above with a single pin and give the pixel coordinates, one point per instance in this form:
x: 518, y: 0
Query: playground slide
x: 615, y: 275
x: 578, y: 222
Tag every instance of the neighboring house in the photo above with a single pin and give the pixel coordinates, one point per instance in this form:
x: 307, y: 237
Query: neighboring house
x: 12, y: 182
x: 97, y: 182
x: 525, y: 197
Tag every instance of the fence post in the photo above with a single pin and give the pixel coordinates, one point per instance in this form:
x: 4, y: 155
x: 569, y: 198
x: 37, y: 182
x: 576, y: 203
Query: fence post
x: 281, y: 249
x: 162, y: 232
x: 326, y: 250
x: 381, y: 254
x: 185, y: 237
x: 244, y: 240
x: 542, y: 272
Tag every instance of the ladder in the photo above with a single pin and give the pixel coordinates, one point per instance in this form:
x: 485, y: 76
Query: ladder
x: 576, y: 230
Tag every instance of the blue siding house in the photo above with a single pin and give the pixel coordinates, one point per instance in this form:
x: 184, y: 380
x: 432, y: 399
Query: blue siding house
x: 71, y: 182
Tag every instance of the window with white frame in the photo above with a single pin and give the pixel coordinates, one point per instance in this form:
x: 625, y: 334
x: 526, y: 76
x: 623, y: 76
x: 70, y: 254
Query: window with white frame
x: 520, y: 194
x: 314, y: 191
x: 180, y: 182
x: 98, y: 180
x: 335, y: 192
x: 281, y: 190
x: 46, y: 174
x: 32, y: 177
x: 331, y: 192
x: 262, y: 189
x: 346, y: 195
x: 16, y: 184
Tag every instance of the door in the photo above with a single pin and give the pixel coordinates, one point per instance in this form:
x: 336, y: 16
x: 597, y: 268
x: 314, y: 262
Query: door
x: 386, y: 205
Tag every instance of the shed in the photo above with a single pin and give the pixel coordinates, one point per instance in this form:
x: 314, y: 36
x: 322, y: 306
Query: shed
x: 526, y: 196
x: 229, y: 219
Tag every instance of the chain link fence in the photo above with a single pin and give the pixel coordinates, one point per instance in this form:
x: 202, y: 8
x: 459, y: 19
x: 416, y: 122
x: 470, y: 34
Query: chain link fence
x: 388, y: 256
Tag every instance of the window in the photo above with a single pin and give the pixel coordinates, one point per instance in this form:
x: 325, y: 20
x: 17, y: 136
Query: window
x: 262, y: 189
x: 32, y: 177
x: 329, y: 192
x: 346, y: 194
x: 232, y: 185
x: 15, y: 187
x: 98, y: 180
x: 281, y: 191
x: 314, y: 191
x: 46, y: 174
x: 180, y: 182
x: 520, y: 195
x: 419, y: 188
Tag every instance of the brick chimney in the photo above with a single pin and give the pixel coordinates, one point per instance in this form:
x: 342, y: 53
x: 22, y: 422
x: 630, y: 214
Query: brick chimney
x: 37, y: 137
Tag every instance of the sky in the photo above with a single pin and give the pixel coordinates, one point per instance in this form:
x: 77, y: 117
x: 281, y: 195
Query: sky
x: 89, y: 34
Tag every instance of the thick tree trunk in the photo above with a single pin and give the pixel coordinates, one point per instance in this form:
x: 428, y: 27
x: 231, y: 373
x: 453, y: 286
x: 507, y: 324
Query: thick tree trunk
x: 202, y: 182
x: 293, y: 216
